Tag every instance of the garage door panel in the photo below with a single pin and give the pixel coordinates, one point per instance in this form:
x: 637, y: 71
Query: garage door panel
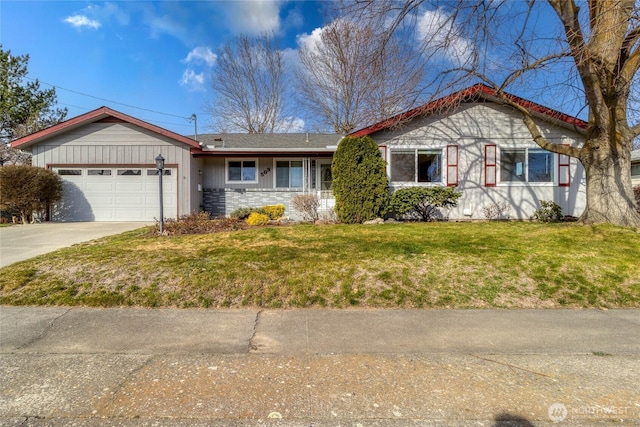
x: 130, y: 187
x: 99, y: 186
x: 153, y: 200
x: 130, y: 201
x: 115, y: 197
x: 102, y: 215
x: 130, y: 215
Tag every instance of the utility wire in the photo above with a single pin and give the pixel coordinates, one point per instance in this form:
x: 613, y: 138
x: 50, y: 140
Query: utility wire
x: 83, y: 109
x: 108, y: 100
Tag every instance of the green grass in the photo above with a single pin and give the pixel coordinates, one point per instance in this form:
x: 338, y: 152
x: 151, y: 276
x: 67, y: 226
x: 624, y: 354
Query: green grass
x: 463, y: 265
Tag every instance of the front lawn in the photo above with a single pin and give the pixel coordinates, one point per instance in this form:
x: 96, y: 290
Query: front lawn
x: 498, y: 264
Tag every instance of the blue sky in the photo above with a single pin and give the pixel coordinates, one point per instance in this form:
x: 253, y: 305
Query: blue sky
x: 158, y: 56
x: 153, y: 55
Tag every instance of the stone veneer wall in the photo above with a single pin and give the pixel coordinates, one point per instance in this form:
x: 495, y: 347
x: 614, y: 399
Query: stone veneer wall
x: 223, y: 201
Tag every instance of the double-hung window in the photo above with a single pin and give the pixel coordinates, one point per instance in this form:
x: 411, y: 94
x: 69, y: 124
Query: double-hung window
x: 241, y: 171
x: 416, y: 165
x: 288, y: 173
x: 526, y: 165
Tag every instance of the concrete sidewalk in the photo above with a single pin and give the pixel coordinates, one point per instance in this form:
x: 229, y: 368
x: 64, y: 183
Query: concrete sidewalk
x: 93, y: 367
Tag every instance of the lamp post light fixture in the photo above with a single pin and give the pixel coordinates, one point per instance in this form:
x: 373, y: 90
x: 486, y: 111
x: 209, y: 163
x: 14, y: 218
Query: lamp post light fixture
x: 160, y: 167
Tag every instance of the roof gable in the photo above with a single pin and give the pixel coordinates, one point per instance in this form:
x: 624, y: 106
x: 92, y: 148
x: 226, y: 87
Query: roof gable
x: 476, y: 93
x: 100, y: 115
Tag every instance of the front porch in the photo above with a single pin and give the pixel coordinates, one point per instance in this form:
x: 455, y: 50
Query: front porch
x: 306, y: 176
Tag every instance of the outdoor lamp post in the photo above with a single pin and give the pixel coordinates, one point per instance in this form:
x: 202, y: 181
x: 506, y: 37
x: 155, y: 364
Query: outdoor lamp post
x: 160, y: 167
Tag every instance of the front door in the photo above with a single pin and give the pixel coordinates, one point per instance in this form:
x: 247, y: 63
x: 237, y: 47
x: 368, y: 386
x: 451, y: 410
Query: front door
x: 325, y: 177
x: 325, y: 184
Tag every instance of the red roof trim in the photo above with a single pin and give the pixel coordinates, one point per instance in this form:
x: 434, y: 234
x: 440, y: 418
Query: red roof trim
x: 478, y: 90
x: 95, y: 116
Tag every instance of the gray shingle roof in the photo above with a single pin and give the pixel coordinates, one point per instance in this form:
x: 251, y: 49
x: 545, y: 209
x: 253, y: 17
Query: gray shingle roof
x: 270, y: 140
x: 635, y: 155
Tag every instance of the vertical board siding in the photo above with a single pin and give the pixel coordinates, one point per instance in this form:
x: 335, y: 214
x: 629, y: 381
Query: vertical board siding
x: 119, y: 144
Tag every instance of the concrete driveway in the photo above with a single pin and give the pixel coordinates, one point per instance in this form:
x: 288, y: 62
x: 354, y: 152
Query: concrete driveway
x: 24, y: 241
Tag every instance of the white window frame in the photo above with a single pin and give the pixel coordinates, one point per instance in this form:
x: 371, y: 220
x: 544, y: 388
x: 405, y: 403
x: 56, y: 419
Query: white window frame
x: 241, y: 181
x: 416, y: 172
x: 275, y: 173
x: 526, y: 182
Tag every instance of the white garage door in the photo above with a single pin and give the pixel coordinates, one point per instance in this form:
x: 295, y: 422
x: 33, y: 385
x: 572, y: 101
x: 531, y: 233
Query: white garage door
x: 115, y: 194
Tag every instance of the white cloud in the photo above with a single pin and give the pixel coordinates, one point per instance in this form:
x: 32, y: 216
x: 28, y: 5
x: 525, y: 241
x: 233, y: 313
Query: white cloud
x: 296, y: 125
x: 201, y: 54
x: 254, y: 17
x: 81, y: 21
x: 192, y: 80
x: 310, y: 41
x: 437, y: 32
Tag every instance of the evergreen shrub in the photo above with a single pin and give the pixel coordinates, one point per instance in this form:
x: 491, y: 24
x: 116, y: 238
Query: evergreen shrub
x: 257, y: 218
x: 274, y: 211
x: 360, y: 184
x: 423, y: 203
x: 548, y: 212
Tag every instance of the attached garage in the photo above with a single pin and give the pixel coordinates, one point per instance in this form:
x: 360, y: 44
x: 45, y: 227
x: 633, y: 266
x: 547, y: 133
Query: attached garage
x: 115, y: 193
x: 106, y: 160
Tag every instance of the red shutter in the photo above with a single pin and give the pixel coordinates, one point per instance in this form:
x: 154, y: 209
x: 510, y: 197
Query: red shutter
x: 452, y: 165
x: 564, y: 170
x: 383, y: 151
x: 490, y: 156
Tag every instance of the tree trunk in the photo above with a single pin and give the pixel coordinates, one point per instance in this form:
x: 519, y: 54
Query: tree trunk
x: 609, y: 190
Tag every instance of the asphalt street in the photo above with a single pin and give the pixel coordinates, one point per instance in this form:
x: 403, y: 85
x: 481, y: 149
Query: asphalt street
x: 143, y: 367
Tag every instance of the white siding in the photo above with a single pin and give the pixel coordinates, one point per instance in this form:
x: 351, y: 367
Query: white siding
x: 472, y: 127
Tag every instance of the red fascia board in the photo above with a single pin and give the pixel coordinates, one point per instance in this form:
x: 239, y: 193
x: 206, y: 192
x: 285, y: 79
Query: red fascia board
x: 93, y: 116
x: 460, y: 96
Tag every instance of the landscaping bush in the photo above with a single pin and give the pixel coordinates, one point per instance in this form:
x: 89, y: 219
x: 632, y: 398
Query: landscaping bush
x: 548, y: 212
x: 274, y: 211
x: 28, y: 189
x: 243, y: 213
x: 307, y: 205
x: 360, y: 183
x: 636, y: 193
x: 423, y: 203
x: 495, y: 210
x: 197, y: 223
x: 257, y: 218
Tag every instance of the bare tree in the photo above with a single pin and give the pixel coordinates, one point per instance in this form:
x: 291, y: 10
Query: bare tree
x: 250, y: 87
x: 349, y: 81
x: 588, y: 54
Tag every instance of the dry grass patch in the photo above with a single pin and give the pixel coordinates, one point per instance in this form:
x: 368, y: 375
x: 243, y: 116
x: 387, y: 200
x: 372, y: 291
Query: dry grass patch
x: 521, y: 265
